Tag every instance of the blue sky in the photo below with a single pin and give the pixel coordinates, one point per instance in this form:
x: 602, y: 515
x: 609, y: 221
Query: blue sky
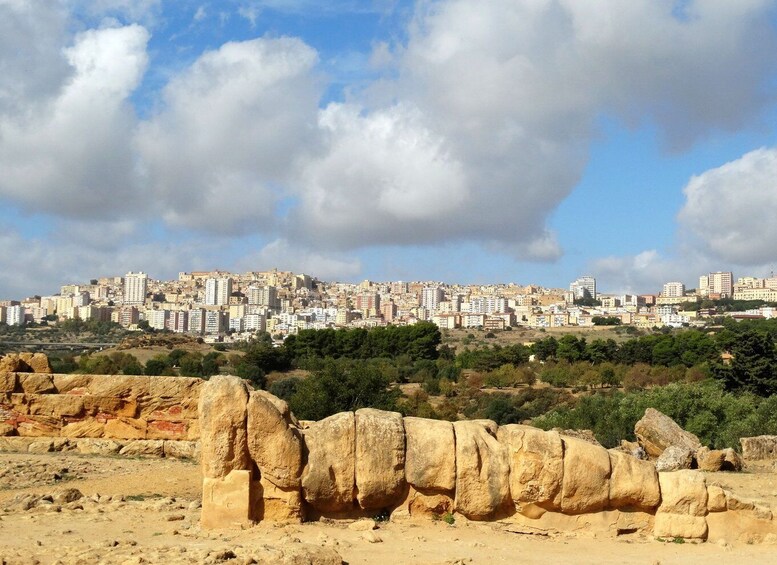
x: 509, y: 141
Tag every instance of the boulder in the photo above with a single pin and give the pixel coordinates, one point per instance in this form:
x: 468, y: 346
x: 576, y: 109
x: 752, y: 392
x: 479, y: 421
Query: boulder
x: 226, y: 501
x: 181, y: 449
x: 759, y: 448
x: 586, y: 482
x: 536, y: 461
x: 732, y: 461
x: 430, y: 456
x: 710, y: 460
x: 680, y: 526
x: 223, y: 416
x: 98, y: 446
x: 276, y: 504
x: 683, y: 506
x: 7, y: 382
x: 274, y: 446
x: 657, y: 431
x: 328, y: 477
x: 144, y: 448
x: 585, y: 435
x: 675, y: 458
x: 633, y: 483
x: 716, y: 498
x: 482, y: 471
x: 32, y: 383
x: 379, y: 458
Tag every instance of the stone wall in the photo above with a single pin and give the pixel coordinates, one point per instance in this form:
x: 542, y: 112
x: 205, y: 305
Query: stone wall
x: 99, y: 406
x: 259, y: 463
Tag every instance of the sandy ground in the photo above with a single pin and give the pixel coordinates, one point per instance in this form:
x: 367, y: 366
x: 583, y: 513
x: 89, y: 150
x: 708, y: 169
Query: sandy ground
x: 147, y: 511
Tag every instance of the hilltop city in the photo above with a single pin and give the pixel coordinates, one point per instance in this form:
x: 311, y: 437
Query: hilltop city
x: 222, y: 306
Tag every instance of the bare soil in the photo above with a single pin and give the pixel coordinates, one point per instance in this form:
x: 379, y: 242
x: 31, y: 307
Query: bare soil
x: 147, y: 511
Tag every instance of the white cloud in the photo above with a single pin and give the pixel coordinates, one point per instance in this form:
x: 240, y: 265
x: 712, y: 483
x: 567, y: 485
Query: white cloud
x: 729, y: 211
x: 145, y: 11
x: 232, y: 130
x: 302, y: 260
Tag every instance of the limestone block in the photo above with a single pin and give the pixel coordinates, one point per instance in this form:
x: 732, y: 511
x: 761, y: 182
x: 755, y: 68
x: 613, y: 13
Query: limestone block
x: 72, y: 384
x: 276, y: 504
x: 175, y: 387
x: 683, y: 492
x: 41, y: 446
x: 88, y: 427
x: 7, y: 381
x: 15, y: 444
x: 98, y: 446
x: 732, y: 461
x: 585, y: 486
x: 536, y: 466
x: 482, y: 472
x: 110, y: 405
x: 275, y: 447
x: 181, y: 449
x: 144, y: 448
x: 56, y: 405
x: 226, y: 501
x: 223, y: 415
x: 7, y: 430
x: 171, y: 409
x: 633, y: 483
x: 282, y: 407
x: 328, y: 477
x: 675, y: 458
x: 125, y: 428
x: 164, y: 429
x: 33, y: 383
x: 759, y: 447
x: 734, y: 502
x: 657, y: 431
x: 380, y: 458
x: 38, y: 362
x: 430, y: 456
x: 716, y: 499
x: 429, y: 504
x: 119, y: 386
x: 40, y: 426
x: 683, y: 526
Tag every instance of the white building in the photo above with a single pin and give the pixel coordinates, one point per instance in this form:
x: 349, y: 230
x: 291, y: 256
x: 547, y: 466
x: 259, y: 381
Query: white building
x: 431, y: 296
x: 135, y: 288
x: 673, y: 290
x: 218, y: 291
x: 584, y: 287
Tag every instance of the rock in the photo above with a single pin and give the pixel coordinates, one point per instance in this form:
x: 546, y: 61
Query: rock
x: 710, y: 460
x: 126, y: 428
x: 716, y: 499
x: 7, y: 430
x: 14, y: 364
x: 429, y: 503
x: 680, y: 526
x: 38, y: 363
x: 634, y: 449
x: 585, y: 435
x: 223, y: 416
x: 379, y: 458
x: 144, y: 448
x: 32, y: 383
x: 328, y: 479
x: 119, y: 386
x: 42, y: 446
x: 675, y: 458
x: 274, y: 446
x: 68, y: 495
x: 656, y: 432
x: 732, y: 461
x: 430, y: 461
x: 586, y: 482
x: 536, y: 466
x: 734, y: 502
x: 482, y: 472
x: 683, y: 506
x: 759, y: 448
x: 371, y: 537
x: 363, y: 525
x: 282, y: 406
x: 7, y: 380
x: 72, y: 384
x: 633, y: 483
x: 177, y: 449
x: 276, y: 504
x: 88, y: 427
x: 226, y: 501
x: 98, y: 446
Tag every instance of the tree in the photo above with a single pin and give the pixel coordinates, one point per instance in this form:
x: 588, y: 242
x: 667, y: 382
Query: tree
x: 753, y: 367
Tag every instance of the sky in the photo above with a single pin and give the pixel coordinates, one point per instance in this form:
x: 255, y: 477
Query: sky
x: 525, y: 141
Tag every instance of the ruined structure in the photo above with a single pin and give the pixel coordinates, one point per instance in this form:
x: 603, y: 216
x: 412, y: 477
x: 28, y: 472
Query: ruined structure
x: 260, y: 464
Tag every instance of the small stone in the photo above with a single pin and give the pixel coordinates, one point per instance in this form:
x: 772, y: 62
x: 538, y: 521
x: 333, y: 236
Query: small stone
x: 371, y: 537
x: 363, y: 525
x: 175, y: 518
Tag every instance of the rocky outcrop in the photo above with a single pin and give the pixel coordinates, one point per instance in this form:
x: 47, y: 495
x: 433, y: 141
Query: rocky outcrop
x: 657, y: 431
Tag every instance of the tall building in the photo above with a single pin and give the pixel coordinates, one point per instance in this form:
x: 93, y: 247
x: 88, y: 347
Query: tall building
x: 135, y: 288
x: 673, y: 290
x: 431, y: 296
x: 720, y: 283
x: 263, y: 296
x: 218, y: 291
x: 584, y: 287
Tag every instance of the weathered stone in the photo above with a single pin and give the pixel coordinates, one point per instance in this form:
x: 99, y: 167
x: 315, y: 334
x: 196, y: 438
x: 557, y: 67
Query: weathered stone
x: 125, y: 428
x: 7, y: 381
x: 83, y: 428
x: 38, y: 363
x: 710, y: 460
x: 633, y: 483
x: 7, y: 430
x: 226, y: 501
x: 165, y: 429
x: 328, y: 477
x: 675, y: 458
x: 734, y: 502
x: 41, y: 426
x: 634, y: 449
x: 585, y: 486
x: 679, y: 526
x: 536, y: 466
x: 32, y: 383
x: 98, y: 446
x: 657, y: 431
x: 429, y: 505
x: 223, y: 415
x: 15, y: 444
x: 12, y: 363
x: 276, y: 504
x: 379, y: 458
x: 282, y: 406
x: 119, y: 386
x: 41, y: 446
x: 181, y: 449
x: 174, y: 387
x: 585, y: 435
x: 144, y: 448
x: 716, y: 499
x: 482, y: 472
x: 732, y: 461
x: 68, y: 495
x: 275, y: 447
x: 72, y: 384
x: 430, y: 455
x: 759, y: 448
x: 56, y: 405
x: 110, y: 405
x: 683, y: 492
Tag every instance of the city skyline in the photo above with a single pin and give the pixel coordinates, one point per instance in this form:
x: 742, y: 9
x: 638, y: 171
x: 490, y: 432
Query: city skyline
x: 388, y: 140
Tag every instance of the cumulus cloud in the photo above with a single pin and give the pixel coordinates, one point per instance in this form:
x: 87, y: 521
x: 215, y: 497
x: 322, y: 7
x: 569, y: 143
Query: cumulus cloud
x: 302, y: 260
x: 230, y: 133
x: 729, y: 210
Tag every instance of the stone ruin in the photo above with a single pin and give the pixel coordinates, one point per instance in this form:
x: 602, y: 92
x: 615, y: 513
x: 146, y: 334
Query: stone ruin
x: 260, y: 464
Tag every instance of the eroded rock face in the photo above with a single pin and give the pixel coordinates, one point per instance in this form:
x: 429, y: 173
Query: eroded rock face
x: 759, y: 448
x: 25, y: 363
x: 536, y: 461
x: 223, y: 416
x: 328, y: 477
x: 656, y: 432
x: 674, y: 458
x: 482, y: 471
x: 379, y: 458
x: 274, y: 445
x: 586, y: 483
x: 633, y: 483
x: 430, y: 454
